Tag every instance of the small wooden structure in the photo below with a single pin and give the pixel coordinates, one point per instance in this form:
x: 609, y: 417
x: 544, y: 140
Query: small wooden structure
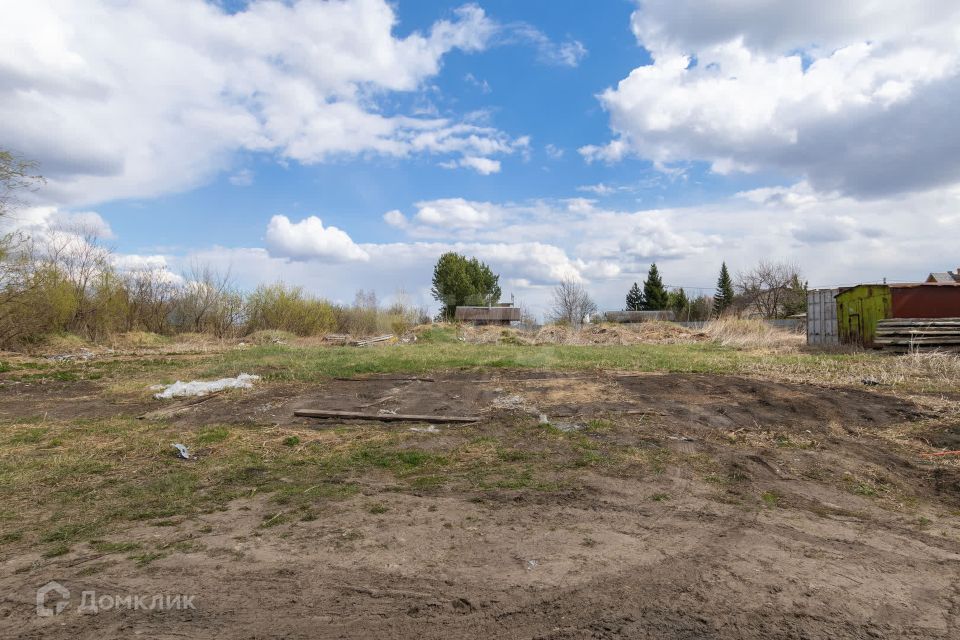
x: 860, y: 309
x: 501, y: 314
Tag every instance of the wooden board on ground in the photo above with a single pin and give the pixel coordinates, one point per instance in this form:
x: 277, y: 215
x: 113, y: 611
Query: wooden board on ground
x: 383, y: 417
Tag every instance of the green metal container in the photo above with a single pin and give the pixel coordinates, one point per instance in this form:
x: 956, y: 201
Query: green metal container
x: 859, y: 309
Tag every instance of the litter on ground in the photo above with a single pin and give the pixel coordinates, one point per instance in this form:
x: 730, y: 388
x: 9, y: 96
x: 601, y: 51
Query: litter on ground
x: 182, y: 451
x: 427, y: 429
x: 201, y: 388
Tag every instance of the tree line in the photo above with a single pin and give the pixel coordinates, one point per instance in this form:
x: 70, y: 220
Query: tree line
x: 768, y: 290
x: 68, y: 281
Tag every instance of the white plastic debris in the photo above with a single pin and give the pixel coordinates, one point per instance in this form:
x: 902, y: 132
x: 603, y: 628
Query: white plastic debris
x: 201, y: 388
x: 509, y: 402
x: 427, y: 429
x: 182, y: 451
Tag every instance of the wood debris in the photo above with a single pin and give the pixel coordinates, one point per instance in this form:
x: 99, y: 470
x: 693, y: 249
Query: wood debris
x: 382, y: 417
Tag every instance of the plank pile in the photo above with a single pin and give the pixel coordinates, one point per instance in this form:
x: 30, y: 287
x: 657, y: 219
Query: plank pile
x: 368, y: 341
x: 904, y: 334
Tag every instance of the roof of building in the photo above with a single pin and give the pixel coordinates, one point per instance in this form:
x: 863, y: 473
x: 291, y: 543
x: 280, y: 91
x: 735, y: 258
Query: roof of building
x: 498, y: 313
x: 944, y: 276
x: 901, y: 285
x: 914, y: 285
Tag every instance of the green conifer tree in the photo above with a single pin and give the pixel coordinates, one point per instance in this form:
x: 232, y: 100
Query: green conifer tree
x: 723, y: 298
x: 679, y: 304
x: 634, y: 298
x: 655, y: 296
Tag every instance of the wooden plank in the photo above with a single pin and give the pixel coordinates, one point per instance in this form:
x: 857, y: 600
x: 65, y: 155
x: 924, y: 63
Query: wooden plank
x: 403, y: 379
x: 926, y: 342
x: 918, y: 331
x: 363, y: 343
x: 382, y: 417
x: 172, y: 410
x: 919, y: 320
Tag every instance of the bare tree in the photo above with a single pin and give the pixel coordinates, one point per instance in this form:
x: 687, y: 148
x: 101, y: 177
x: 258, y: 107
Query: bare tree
x: 571, y: 304
x: 74, y: 255
x: 16, y: 175
x: 152, y: 293
x: 770, y: 289
x: 208, y: 302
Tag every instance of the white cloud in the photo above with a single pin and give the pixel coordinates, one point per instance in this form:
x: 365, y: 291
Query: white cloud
x: 242, y: 178
x: 599, y: 189
x: 40, y: 221
x: 553, y: 151
x: 483, y: 85
x: 153, y: 97
x: 395, y: 218
x: 483, y: 166
x: 156, y: 265
x: 310, y: 240
x: 457, y: 214
x: 851, y: 96
x: 568, y: 53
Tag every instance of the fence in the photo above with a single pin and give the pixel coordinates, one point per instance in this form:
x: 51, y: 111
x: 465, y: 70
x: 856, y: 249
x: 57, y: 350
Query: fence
x: 787, y: 324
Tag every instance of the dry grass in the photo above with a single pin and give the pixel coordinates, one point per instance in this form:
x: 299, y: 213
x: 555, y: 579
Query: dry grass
x: 591, y: 334
x: 753, y: 334
x: 137, y: 340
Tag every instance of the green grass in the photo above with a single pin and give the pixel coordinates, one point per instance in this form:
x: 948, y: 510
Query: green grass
x: 770, y: 498
x: 212, y: 435
x: 97, y: 476
x: 57, y: 550
x: 104, y: 546
x: 309, y: 364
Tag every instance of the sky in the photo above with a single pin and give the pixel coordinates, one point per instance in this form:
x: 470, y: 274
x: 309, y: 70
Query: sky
x: 345, y: 145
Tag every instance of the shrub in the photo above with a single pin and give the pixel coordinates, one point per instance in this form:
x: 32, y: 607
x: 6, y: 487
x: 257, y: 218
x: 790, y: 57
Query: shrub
x: 284, y: 308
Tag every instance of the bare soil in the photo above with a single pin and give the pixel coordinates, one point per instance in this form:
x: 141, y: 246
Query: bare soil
x: 782, y: 511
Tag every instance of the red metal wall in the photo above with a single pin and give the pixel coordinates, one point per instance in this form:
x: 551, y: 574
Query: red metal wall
x: 936, y: 301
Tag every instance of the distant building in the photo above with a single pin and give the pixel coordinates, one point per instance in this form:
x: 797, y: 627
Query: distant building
x: 501, y: 314
x: 945, y: 277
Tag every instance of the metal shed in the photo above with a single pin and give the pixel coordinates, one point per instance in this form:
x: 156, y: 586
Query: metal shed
x: 822, y: 316
x: 500, y: 314
x: 860, y: 308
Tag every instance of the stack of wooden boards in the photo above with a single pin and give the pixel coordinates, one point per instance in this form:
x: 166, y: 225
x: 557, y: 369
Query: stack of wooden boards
x: 905, y: 334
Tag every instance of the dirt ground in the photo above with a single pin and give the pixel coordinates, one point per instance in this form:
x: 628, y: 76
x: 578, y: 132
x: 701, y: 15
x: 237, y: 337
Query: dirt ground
x: 779, y: 511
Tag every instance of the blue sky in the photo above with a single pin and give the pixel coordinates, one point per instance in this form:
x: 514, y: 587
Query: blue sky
x: 553, y: 139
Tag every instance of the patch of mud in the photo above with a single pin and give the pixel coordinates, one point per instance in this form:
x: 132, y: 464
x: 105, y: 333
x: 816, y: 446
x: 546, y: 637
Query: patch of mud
x: 606, y: 562
x: 63, y: 400
x: 759, y: 523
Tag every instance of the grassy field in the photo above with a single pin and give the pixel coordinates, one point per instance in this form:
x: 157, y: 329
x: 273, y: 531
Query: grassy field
x: 65, y: 482
x: 781, y: 475
x: 443, y: 352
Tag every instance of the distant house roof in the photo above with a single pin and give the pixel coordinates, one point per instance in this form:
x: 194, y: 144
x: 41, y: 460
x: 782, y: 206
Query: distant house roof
x: 498, y: 313
x: 944, y: 276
